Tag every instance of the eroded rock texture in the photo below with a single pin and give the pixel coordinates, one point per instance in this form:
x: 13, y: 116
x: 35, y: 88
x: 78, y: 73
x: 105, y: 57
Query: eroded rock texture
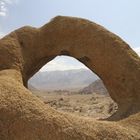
x: 24, y: 51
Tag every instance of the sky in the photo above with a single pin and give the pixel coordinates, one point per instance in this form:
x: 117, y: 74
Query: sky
x: 121, y: 17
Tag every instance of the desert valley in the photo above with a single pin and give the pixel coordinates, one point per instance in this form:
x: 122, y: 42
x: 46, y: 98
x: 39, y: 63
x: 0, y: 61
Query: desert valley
x: 79, y: 92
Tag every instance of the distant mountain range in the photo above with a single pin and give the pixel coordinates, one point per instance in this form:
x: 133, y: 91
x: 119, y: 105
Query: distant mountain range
x: 62, y: 80
x: 95, y: 87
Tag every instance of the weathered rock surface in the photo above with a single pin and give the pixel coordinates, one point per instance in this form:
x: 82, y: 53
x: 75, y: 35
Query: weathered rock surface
x: 95, y: 87
x: 23, y: 52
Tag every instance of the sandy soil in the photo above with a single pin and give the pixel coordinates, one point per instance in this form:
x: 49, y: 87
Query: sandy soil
x: 91, y: 105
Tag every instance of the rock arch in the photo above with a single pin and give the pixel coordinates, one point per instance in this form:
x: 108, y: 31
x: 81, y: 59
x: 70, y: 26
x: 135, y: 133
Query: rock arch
x: 28, y: 49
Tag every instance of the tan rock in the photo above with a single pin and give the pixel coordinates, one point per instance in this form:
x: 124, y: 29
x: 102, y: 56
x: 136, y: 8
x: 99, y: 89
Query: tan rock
x: 23, y: 52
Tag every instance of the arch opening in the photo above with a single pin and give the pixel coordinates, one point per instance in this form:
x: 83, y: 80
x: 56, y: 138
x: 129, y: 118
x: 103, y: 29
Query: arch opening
x: 68, y: 85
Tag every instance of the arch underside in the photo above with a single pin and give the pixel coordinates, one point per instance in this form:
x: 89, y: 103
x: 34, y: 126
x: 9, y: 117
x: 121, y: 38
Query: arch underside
x: 28, y: 49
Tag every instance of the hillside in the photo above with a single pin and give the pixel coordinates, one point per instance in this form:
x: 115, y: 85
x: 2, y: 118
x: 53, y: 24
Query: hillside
x: 95, y: 87
x: 62, y: 80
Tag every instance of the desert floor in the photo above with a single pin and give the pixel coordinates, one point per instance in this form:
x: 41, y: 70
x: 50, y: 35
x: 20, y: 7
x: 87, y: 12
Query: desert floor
x: 91, y: 105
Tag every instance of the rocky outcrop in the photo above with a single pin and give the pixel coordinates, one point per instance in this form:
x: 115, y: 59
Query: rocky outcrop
x: 95, y: 87
x: 23, y: 52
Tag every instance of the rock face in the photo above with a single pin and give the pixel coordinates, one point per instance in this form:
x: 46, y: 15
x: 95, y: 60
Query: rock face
x: 23, y: 52
x: 95, y: 87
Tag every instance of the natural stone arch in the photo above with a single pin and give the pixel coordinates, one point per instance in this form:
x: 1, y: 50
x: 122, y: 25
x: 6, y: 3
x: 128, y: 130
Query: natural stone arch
x: 28, y: 49
x: 100, y: 50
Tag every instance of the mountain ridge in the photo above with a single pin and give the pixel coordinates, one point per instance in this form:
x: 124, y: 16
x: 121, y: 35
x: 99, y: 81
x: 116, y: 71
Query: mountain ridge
x: 62, y: 80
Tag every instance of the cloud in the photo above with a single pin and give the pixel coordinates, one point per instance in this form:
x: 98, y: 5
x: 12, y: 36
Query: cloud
x: 137, y: 50
x: 63, y: 63
x: 11, y: 1
x: 2, y: 34
x: 4, y: 6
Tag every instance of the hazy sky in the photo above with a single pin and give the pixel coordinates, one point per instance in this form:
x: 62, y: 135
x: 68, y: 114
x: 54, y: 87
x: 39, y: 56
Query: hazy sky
x: 121, y: 17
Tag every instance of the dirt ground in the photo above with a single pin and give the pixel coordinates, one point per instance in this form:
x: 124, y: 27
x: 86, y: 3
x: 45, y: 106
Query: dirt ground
x: 91, y: 105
